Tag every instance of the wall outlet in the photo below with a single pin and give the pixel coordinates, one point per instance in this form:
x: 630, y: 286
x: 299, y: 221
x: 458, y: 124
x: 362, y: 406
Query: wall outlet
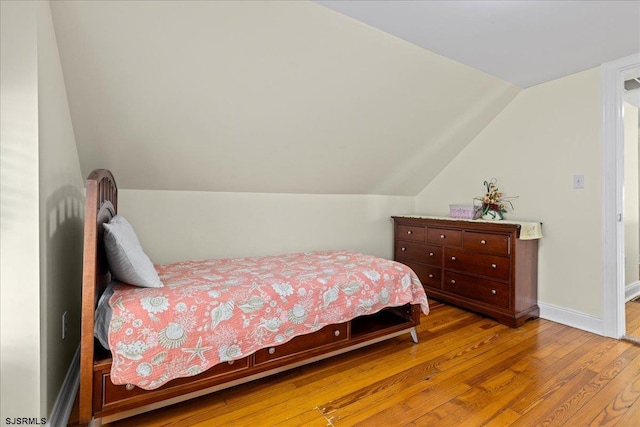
x: 65, y: 325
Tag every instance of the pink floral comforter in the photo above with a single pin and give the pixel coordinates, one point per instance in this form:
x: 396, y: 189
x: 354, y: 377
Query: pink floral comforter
x: 213, y: 311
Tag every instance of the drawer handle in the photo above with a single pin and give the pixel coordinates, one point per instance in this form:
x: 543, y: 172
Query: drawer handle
x: 430, y: 275
x: 230, y: 362
x: 493, y: 292
x: 494, y: 265
x: 403, y: 249
x: 272, y: 350
x: 453, y: 258
x: 442, y: 236
x: 453, y: 282
x: 336, y: 333
x: 484, y: 242
x: 129, y: 386
x: 431, y: 254
x: 409, y: 232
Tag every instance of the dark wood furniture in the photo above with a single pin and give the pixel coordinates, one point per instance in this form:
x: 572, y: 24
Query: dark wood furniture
x: 99, y: 398
x: 481, y: 266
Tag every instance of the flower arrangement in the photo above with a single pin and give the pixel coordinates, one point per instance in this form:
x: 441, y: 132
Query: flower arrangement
x: 492, y: 205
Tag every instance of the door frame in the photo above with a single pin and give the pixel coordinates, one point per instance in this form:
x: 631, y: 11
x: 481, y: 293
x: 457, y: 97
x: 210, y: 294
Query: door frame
x: 613, y: 75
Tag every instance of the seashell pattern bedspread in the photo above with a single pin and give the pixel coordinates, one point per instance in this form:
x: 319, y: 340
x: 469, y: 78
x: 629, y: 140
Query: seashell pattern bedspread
x: 213, y: 311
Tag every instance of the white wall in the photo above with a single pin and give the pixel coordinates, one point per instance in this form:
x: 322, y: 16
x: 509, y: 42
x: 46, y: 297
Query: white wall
x: 631, y: 211
x: 533, y: 147
x: 42, y: 206
x: 179, y: 225
x: 61, y: 216
x: 264, y: 97
x: 20, y: 370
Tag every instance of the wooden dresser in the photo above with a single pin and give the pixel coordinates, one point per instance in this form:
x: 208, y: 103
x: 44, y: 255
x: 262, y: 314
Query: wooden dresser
x: 483, y: 266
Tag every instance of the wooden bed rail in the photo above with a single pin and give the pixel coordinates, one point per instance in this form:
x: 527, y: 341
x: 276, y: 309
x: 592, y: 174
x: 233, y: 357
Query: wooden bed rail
x: 101, y: 203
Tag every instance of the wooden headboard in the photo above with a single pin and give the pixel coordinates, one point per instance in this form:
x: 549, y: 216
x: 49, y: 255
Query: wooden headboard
x: 102, y: 204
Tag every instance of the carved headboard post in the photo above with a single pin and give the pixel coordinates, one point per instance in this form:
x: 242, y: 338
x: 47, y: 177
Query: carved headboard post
x: 100, y: 206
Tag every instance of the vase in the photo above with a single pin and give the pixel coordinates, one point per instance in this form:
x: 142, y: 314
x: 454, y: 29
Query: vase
x: 492, y: 215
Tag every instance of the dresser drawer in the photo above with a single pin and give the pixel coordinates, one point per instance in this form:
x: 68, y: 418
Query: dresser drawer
x: 431, y: 255
x: 445, y: 237
x: 492, y: 266
x: 478, y: 289
x: 410, y: 250
x: 486, y: 242
x: 410, y: 232
x: 429, y: 276
x: 327, y: 335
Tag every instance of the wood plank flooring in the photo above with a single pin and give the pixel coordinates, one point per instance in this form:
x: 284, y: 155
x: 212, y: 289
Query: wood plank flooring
x: 466, y: 370
x: 632, y: 318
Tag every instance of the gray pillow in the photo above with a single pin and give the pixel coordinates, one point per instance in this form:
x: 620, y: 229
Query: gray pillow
x: 102, y: 317
x: 127, y: 261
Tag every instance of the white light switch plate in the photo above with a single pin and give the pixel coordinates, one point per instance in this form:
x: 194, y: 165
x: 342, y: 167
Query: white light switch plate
x: 578, y: 181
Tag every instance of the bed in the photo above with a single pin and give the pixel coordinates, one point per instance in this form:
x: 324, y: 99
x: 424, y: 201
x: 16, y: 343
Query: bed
x: 207, y: 325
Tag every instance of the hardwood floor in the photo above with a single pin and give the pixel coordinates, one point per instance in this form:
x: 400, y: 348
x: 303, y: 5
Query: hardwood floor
x: 632, y: 319
x: 465, y: 371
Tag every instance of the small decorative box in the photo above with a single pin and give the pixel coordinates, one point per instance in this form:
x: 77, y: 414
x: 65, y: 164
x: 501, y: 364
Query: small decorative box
x: 462, y: 211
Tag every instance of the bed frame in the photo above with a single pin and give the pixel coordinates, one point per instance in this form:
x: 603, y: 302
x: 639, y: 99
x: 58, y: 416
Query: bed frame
x: 101, y: 400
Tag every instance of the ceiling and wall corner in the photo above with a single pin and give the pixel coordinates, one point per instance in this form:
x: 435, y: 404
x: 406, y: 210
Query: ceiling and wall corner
x: 522, y: 42
x: 294, y: 97
x: 271, y: 97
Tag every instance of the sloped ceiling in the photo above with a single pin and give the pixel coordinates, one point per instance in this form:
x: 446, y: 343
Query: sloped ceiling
x: 523, y: 42
x: 262, y: 97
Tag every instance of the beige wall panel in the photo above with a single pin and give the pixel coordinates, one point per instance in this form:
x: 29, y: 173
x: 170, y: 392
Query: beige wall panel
x: 534, y: 147
x: 20, y: 368
x: 263, y: 96
x: 61, y: 215
x: 179, y: 225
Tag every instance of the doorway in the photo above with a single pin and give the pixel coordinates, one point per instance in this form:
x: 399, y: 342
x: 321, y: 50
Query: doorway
x: 614, y: 74
x: 631, y: 198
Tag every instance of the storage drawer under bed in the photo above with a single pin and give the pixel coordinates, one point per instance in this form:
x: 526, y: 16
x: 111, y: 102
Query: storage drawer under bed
x: 121, y: 397
x: 328, y: 335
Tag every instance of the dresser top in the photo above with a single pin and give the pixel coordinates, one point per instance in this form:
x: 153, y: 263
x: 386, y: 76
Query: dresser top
x: 529, y: 230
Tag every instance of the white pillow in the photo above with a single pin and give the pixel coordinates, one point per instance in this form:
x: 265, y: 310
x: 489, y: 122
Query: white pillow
x: 127, y: 261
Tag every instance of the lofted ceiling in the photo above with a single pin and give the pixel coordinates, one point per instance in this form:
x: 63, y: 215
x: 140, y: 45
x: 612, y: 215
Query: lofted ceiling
x: 274, y: 96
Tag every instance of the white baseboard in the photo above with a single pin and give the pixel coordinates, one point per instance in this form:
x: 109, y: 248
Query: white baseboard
x: 67, y: 395
x: 631, y: 291
x: 572, y: 318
